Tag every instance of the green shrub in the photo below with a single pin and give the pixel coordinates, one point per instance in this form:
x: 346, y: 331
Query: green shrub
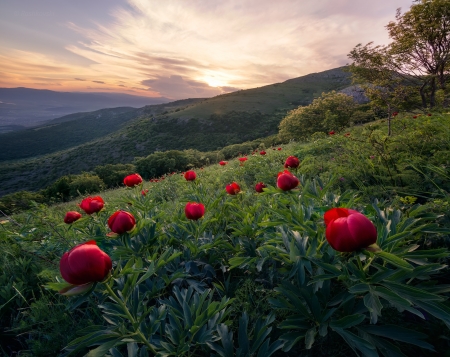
x: 20, y: 201
x: 332, y: 111
x: 113, y: 174
x: 85, y: 184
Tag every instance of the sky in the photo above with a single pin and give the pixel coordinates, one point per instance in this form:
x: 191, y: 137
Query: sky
x: 181, y: 48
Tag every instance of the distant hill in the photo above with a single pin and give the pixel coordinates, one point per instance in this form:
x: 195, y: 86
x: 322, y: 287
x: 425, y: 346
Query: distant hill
x: 202, y: 124
x: 30, y: 107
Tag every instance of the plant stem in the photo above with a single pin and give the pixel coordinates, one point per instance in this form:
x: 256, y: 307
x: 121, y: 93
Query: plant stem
x: 130, y: 317
x: 369, y: 262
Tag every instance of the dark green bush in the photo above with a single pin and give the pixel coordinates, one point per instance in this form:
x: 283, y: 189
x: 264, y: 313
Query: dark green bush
x: 71, y: 186
x: 20, y: 201
x: 84, y: 184
x: 113, y: 174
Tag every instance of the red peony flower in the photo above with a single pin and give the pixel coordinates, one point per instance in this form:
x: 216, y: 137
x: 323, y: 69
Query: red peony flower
x: 233, y: 188
x: 348, y: 230
x: 332, y: 132
x: 84, y: 264
x: 262, y: 152
x: 121, y: 221
x: 223, y: 163
x: 259, y: 187
x: 287, y: 181
x: 415, y: 117
x: 243, y: 159
x: 132, y: 180
x: 144, y: 192
x: 92, y: 204
x: 279, y: 149
x: 190, y: 175
x: 292, y: 161
x: 429, y: 114
x: 194, y: 210
x: 71, y: 217
x: 394, y: 114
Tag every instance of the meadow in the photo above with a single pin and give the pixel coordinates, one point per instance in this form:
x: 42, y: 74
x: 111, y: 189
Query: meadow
x: 256, y: 275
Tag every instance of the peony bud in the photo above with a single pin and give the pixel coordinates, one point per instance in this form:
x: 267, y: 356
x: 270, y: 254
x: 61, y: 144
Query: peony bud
x: 194, y: 210
x: 190, y: 175
x: 287, y: 181
x: 259, y: 187
x: 132, y: 180
x: 71, y: 217
x: 348, y: 230
x: 233, y: 188
x: 292, y: 161
x: 84, y: 264
x: 223, y: 163
x: 92, y: 204
x: 262, y: 152
x: 121, y: 222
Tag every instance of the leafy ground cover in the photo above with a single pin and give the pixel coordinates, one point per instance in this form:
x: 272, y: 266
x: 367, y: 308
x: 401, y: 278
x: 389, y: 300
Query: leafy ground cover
x: 255, y: 276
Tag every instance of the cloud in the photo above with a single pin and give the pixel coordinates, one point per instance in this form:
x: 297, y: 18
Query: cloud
x: 176, y: 87
x: 181, y: 49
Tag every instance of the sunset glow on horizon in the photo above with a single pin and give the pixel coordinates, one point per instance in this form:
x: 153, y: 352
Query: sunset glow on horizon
x: 181, y: 49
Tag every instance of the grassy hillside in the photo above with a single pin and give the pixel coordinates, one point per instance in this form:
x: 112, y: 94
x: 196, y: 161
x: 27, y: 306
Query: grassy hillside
x: 267, y: 253
x: 75, y: 129
x: 205, y: 125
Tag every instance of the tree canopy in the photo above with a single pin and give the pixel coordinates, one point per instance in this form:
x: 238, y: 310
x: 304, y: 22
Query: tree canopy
x: 415, y: 62
x: 332, y: 111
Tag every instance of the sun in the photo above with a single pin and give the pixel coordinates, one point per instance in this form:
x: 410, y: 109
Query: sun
x: 214, y: 81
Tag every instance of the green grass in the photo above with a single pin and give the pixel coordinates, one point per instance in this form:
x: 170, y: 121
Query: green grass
x: 251, y: 241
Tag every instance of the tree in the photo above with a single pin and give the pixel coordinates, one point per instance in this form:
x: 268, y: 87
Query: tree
x: 332, y: 111
x: 417, y: 59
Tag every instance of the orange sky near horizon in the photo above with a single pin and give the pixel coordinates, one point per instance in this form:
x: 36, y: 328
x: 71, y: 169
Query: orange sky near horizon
x: 180, y: 49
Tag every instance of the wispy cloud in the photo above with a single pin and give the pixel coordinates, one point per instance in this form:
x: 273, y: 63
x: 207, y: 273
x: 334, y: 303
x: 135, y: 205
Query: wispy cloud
x: 181, y: 49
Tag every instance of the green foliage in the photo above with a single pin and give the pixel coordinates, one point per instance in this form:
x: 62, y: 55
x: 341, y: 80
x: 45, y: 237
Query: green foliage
x: 332, y: 111
x: 20, y: 201
x: 71, y: 186
x: 113, y: 175
x: 255, y: 276
x: 410, y: 162
x: 161, y: 163
x: 414, y: 64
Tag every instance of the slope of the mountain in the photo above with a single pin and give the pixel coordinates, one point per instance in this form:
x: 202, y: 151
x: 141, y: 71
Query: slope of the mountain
x: 202, y: 124
x: 245, y: 114
x: 29, y: 107
x: 74, y: 130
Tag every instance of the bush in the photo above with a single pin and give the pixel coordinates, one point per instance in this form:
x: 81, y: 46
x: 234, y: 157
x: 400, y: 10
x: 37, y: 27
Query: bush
x: 85, y: 184
x: 20, y: 201
x: 71, y: 186
x: 113, y: 175
x: 332, y: 111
